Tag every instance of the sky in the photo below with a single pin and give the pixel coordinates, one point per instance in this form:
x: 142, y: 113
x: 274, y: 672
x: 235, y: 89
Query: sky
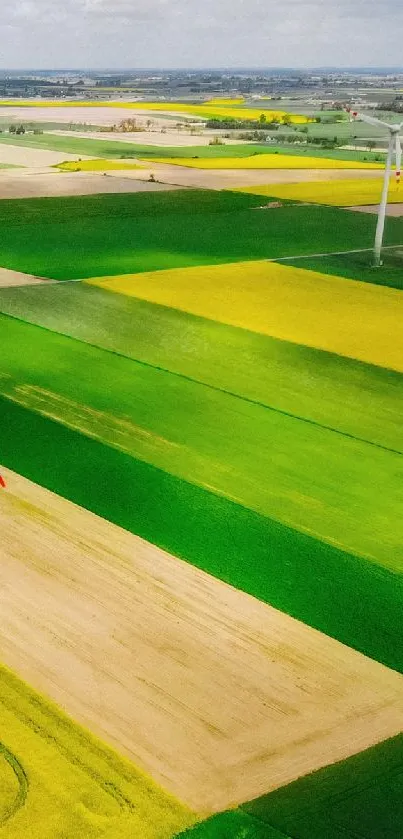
x: 200, y: 33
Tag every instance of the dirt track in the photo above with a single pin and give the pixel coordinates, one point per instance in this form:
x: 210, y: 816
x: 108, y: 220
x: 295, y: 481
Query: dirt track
x: 215, y: 694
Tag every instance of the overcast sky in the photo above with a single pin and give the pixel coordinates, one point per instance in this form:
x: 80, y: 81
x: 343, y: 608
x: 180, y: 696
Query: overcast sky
x: 200, y: 33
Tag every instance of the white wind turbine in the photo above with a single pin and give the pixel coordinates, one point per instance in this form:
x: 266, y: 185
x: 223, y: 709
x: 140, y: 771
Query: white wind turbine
x: 394, y: 150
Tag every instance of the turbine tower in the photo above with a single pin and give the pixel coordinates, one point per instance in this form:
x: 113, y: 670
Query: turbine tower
x: 394, y: 150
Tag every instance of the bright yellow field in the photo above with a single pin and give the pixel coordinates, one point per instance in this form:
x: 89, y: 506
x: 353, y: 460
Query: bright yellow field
x: 58, y: 781
x: 266, y: 161
x: 359, y: 320
x: 337, y: 193
x: 209, y: 110
x: 204, y: 110
x: 219, y: 101
x: 97, y: 165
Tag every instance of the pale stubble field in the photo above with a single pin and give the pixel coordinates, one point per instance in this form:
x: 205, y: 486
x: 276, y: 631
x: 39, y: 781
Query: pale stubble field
x: 218, y: 696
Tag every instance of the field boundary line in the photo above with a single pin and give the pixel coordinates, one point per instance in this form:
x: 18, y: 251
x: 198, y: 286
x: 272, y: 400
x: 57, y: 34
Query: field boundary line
x: 215, y: 388
x: 329, y: 253
x: 50, y: 281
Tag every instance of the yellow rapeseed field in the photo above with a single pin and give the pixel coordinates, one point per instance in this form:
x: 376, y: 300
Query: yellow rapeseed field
x: 266, y: 161
x: 97, y: 165
x: 57, y: 780
x: 355, y: 319
x: 215, y: 108
x: 337, y: 193
x: 219, y: 101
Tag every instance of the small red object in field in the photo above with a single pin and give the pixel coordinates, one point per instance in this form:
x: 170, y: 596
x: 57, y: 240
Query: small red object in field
x: 2, y: 482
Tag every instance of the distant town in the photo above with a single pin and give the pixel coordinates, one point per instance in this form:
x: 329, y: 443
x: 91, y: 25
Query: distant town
x: 383, y: 85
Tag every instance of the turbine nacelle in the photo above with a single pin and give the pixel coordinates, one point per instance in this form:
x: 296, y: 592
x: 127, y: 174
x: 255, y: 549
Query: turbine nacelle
x: 394, y: 131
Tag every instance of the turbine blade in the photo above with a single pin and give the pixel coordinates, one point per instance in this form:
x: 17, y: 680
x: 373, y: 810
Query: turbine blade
x: 370, y: 120
x: 398, y: 158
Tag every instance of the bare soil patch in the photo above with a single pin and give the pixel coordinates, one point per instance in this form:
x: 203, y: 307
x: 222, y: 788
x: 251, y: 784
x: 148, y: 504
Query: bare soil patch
x: 33, y: 158
x: 391, y: 210
x: 52, y: 183
x: 82, y: 115
x: 218, y: 696
x: 172, y: 137
x: 236, y: 178
x: 10, y: 278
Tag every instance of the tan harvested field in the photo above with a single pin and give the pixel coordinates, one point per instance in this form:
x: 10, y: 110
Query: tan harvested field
x: 236, y: 178
x: 216, y: 695
x: 152, y: 138
x: 10, y: 278
x: 81, y: 115
x: 391, y: 210
x: 33, y: 158
x: 16, y: 183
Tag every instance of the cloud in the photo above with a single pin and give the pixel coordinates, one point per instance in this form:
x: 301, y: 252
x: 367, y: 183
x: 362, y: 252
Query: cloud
x: 135, y: 33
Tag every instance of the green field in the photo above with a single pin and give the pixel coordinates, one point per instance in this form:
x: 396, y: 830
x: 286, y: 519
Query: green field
x: 350, y: 599
x: 56, y: 780
x: 245, y: 150
x: 350, y: 132
x: 113, y: 148
x: 358, y: 266
x: 358, y: 399
x: 237, y: 477
x: 359, y: 798
x: 305, y: 475
x: 232, y: 825
x: 67, y: 238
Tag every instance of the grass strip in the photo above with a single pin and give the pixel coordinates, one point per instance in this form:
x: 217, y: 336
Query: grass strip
x: 357, y: 399
x: 301, y: 474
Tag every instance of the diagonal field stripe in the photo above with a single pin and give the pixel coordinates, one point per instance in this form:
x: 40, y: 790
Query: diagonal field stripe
x: 218, y: 696
x: 346, y: 317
